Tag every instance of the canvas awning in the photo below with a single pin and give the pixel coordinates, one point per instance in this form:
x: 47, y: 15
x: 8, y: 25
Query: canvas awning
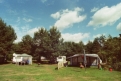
x: 87, y: 55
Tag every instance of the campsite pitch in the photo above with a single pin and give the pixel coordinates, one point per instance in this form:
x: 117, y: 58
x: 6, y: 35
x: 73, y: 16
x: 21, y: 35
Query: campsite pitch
x: 12, y: 72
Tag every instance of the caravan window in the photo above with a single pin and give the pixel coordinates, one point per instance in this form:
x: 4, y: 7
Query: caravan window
x: 64, y: 58
x: 59, y: 57
x: 18, y: 57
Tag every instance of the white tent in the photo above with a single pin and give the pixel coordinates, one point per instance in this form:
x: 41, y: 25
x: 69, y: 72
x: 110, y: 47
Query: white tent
x: 22, y: 57
x: 92, y: 59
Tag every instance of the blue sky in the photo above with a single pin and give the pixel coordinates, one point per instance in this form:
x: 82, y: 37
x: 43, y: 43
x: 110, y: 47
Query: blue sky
x: 77, y: 20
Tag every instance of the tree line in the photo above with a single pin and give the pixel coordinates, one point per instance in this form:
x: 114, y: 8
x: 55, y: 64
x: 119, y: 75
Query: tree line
x: 48, y: 43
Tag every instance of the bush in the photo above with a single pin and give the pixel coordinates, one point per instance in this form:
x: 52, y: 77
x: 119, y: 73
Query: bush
x: 117, y: 66
x: 10, y: 57
x: 106, y: 66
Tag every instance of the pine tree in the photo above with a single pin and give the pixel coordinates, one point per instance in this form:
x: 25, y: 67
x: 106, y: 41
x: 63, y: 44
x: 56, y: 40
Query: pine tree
x: 7, y: 37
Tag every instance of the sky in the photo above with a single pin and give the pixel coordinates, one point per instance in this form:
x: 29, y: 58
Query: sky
x: 77, y: 20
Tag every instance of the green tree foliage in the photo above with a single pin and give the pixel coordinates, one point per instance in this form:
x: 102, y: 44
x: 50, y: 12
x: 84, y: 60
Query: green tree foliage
x: 25, y: 46
x: 55, y: 42
x: 112, y: 49
x: 67, y: 46
x: 71, y: 48
x: 41, y: 43
x: 96, y: 46
x: 88, y: 47
x: 102, y: 53
x: 50, y: 44
x: 17, y: 48
x: 7, y: 37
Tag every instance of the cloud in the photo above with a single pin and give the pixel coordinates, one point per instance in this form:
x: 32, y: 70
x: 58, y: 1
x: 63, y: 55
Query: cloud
x: 106, y: 16
x: 18, y: 19
x: 67, y: 18
x: 43, y: 1
x: 32, y: 31
x: 20, y: 31
x: 27, y: 20
x: 94, y: 9
x: 12, y: 12
x: 119, y: 27
x: 24, y: 30
x: 98, y: 35
x: 77, y: 37
x: 56, y: 15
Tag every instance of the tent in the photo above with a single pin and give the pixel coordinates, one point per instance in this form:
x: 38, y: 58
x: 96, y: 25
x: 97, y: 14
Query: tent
x: 91, y: 59
x: 22, y: 57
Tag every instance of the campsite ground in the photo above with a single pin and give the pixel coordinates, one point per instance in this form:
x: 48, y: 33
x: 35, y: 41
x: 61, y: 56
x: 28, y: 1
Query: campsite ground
x: 12, y: 72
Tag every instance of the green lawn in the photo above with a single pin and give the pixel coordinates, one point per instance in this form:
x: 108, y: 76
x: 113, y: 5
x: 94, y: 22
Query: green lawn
x: 12, y: 72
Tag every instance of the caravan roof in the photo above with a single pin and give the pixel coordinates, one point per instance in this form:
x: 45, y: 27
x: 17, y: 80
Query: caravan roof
x: 91, y: 55
x: 88, y: 55
x: 22, y: 55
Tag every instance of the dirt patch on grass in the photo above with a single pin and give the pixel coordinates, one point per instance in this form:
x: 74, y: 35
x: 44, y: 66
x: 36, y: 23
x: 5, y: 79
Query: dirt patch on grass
x: 64, y: 79
x: 19, y: 74
x: 87, y: 78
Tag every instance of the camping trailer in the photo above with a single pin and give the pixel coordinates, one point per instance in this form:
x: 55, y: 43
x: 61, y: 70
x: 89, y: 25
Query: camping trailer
x: 62, y: 60
x: 91, y: 59
x: 22, y: 57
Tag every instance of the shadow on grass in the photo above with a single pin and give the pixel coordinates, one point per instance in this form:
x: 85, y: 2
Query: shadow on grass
x: 8, y: 62
x: 76, y: 70
x: 39, y: 66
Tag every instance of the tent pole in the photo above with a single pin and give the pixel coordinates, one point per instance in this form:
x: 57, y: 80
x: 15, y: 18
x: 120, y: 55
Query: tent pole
x: 84, y: 60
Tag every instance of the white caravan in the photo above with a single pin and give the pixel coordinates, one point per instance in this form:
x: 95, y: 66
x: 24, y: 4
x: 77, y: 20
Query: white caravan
x: 62, y: 61
x: 22, y: 57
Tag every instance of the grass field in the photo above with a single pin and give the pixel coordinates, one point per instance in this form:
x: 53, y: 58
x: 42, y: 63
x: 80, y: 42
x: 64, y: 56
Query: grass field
x: 12, y: 72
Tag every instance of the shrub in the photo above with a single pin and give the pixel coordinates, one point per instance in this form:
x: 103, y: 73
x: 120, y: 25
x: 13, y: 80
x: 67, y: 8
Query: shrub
x: 117, y: 66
